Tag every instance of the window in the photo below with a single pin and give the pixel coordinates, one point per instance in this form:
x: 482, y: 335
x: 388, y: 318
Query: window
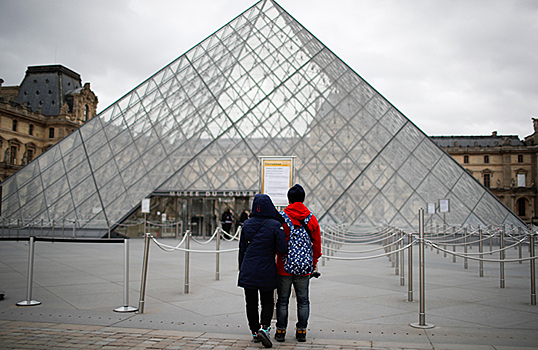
x: 487, y: 180
x: 520, y: 158
x: 51, y: 133
x: 30, y: 155
x: 85, y: 113
x: 486, y: 159
x: 521, y: 207
x: 13, y: 155
x: 14, y: 127
x: 466, y: 159
x: 521, y: 180
x: 31, y: 129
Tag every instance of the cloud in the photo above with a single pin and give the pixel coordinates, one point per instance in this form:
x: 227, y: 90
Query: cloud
x: 452, y: 67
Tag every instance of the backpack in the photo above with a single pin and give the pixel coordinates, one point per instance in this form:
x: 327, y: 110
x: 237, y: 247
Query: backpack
x: 299, y: 260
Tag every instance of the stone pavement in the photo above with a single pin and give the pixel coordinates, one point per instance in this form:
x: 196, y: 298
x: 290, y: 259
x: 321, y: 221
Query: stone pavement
x: 357, y: 304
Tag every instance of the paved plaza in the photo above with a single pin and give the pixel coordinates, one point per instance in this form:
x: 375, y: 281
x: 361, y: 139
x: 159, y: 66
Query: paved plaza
x: 355, y: 304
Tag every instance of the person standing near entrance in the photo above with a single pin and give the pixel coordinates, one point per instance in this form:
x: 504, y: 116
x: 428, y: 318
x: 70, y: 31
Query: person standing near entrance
x: 227, y: 220
x: 299, y: 215
x: 261, y: 238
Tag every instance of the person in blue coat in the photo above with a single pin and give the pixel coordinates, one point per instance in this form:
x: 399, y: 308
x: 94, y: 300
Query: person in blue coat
x: 261, y: 237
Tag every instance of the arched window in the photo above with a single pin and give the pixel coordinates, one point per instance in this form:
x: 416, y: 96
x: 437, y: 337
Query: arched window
x: 86, y: 109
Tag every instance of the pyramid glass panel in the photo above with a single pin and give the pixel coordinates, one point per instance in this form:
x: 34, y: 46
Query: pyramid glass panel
x: 262, y: 85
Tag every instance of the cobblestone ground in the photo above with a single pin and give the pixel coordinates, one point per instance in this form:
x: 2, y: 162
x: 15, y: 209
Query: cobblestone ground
x: 36, y: 335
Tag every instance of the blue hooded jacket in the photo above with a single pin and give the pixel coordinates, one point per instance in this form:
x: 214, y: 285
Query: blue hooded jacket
x: 261, y: 237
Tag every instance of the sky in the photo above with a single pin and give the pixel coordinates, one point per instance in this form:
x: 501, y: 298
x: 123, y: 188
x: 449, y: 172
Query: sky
x: 453, y: 67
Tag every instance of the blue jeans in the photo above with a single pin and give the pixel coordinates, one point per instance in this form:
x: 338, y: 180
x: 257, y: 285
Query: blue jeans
x: 300, y: 284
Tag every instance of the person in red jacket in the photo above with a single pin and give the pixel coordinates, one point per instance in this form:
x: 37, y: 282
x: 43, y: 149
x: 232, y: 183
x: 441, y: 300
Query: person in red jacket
x: 296, y: 210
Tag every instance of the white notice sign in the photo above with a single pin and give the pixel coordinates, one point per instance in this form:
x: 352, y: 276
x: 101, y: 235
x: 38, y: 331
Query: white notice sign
x: 431, y: 208
x: 444, y: 205
x: 277, y: 180
x: 145, y: 205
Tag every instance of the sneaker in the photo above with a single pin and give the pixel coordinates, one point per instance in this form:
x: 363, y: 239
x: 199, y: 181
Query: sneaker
x: 280, y: 335
x: 300, y: 334
x: 255, y: 337
x: 263, y: 336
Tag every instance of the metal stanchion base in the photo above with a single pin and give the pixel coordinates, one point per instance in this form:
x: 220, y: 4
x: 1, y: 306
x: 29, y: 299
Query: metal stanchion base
x: 126, y: 309
x: 28, y: 303
x: 425, y: 326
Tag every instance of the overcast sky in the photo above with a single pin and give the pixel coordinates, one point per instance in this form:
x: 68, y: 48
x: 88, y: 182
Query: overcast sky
x: 452, y: 67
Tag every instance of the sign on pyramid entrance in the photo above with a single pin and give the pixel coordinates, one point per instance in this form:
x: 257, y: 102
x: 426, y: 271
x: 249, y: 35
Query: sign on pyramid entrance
x: 262, y: 85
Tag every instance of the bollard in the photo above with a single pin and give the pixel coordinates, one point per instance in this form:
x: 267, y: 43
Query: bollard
x: 501, y: 252
x: 421, y: 272
x: 323, y: 249
x: 410, y: 268
x: 142, y: 301
x: 217, y: 271
x: 53, y: 229
x: 533, y: 270
x: 29, y: 301
x: 187, y: 256
x: 125, y: 307
x: 481, y: 256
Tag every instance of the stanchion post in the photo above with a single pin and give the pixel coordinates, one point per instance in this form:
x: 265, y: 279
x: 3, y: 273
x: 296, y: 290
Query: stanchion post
x: 480, y: 250
x: 533, y: 269
x: 402, y: 258
x: 396, y: 254
x: 142, y: 301
x: 520, y: 233
x: 217, y: 260
x: 187, y: 256
x: 465, y: 263
x: 410, y: 268
x: 454, y: 244
x: 29, y: 301
x: 126, y: 307
x: 501, y: 253
x: 422, y: 314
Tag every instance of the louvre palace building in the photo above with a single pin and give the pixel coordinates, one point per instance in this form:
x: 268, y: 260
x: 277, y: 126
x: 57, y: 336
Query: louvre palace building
x: 190, y: 138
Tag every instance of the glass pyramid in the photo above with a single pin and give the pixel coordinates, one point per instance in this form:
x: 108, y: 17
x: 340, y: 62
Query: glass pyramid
x: 262, y: 85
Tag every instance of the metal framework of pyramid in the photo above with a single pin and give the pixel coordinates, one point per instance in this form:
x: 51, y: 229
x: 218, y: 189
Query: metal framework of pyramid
x: 262, y: 85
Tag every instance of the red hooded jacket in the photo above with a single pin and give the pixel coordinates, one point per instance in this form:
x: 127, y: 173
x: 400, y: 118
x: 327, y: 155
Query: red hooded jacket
x: 298, y: 211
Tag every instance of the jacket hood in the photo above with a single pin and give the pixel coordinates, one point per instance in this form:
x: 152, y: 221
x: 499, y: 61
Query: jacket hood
x: 297, y: 210
x: 263, y: 206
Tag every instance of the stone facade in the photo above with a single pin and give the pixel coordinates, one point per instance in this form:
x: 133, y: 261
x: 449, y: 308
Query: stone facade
x: 504, y: 164
x: 50, y: 103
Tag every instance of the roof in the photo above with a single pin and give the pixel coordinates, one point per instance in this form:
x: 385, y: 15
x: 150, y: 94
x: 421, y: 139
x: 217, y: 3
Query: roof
x: 477, y: 141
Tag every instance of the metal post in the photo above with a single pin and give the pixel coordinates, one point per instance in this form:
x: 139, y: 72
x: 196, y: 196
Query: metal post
x: 480, y: 250
x: 520, y: 244
x: 421, y: 271
x: 41, y: 228
x: 142, y: 300
x: 29, y: 301
x: 465, y: 264
x: 396, y: 254
x: 217, y: 271
x: 323, y: 244
x: 501, y: 247
x: 533, y: 270
x: 410, y: 268
x: 52, y: 228
x: 402, y: 273
x: 187, y: 247
x: 125, y: 307
x: 74, y: 228
x: 18, y: 227
x: 454, y: 243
